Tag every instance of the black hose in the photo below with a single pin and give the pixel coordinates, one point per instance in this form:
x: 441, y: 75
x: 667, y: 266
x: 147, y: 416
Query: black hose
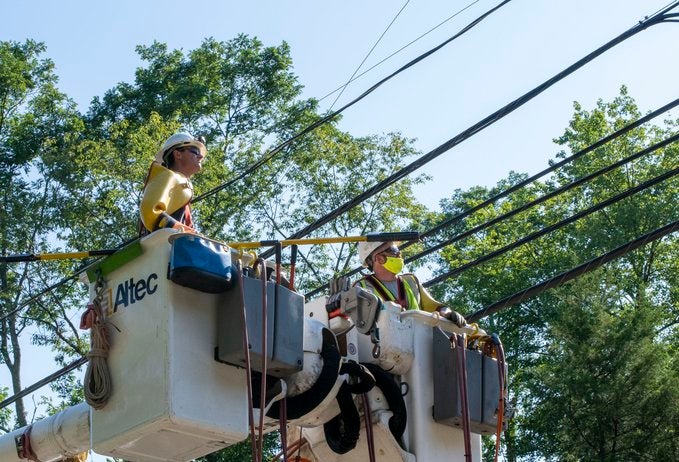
x: 302, y: 404
x: 363, y: 379
x: 392, y: 393
x: 341, y: 432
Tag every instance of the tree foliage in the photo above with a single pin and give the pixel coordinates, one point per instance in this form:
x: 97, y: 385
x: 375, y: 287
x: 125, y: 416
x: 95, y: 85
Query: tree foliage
x: 594, y: 374
x: 35, y: 119
x: 594, y: 364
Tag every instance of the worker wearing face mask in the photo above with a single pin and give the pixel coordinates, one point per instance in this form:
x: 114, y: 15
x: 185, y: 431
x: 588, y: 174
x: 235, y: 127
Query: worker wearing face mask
x: 386, y: 281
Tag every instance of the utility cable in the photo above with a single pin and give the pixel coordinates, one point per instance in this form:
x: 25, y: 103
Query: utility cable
x: 476, y: 128
x: 655, y: 19
x: 280, y: 147
x: 566, y: 276
x: 491, y: 200
x: 666, y: 8
x: 266, y: 158
x: 50, y: 378
x: 344, y: 87
x: 35, y: 297
x: 488, y: 310
x: 544, y: 172
x: 554, y: 227
x: 60, y: 283
x: 399, y: 50
x: 384, y: 59
x: 544, y: 198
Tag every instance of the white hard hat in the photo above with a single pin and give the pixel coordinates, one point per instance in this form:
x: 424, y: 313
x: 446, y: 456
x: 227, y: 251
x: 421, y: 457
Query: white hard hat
x: 365, y: 249
x: 177, y: 140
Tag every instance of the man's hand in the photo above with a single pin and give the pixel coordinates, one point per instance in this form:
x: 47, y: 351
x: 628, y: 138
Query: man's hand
x: 337, y: 286
x: 167, y: 221
x: 453, y: 316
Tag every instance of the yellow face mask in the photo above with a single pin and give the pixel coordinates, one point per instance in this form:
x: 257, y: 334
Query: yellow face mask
x: 394, y: 264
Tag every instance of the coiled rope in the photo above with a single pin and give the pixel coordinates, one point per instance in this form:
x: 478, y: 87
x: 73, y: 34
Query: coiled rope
x: 97, y: 381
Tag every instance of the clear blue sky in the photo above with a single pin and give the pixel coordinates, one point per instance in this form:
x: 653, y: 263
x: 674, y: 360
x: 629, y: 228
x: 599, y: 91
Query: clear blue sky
x: 517, y: 48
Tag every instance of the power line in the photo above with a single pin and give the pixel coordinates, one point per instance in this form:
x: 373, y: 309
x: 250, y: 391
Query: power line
x: 554, y: 227
x: 341, y: 87
x: 400, y: 49
x: 549, y: 169
x: 526, y: 206
x: 41, y: 383
x: 464, y: 135
x: 508, y: 301
x: 566, y: 276
x: 278, y: 148
x: 473, y: 130
x: 331, y: 116
x: 58, y: 284
x: 344, y: 87
x: 491, y: 200
x: 33, y: 298
x: 666, y: 8
x: 545, y: 197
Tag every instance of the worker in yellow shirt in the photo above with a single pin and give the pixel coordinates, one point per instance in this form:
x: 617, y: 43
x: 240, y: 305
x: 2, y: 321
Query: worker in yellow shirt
x: 168, y: 190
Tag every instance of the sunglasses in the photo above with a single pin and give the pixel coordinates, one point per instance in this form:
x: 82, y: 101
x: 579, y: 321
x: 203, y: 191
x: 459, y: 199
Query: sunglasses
x: 393, y: 250
x: 194, y: 151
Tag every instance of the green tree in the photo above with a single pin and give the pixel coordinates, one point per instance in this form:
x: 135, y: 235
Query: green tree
x: 241, y: 452
x: 34, y: 118
x: 558, y: 342
x: 609, y: 389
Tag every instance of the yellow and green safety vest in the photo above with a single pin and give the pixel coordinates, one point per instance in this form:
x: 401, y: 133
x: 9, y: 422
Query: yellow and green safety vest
x: 412, y: 296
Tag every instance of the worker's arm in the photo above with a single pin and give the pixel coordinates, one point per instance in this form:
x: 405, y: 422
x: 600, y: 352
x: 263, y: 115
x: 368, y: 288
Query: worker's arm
x: 428, y: 303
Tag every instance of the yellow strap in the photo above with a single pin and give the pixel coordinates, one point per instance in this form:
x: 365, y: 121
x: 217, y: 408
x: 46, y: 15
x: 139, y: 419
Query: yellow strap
x: 413, y: 303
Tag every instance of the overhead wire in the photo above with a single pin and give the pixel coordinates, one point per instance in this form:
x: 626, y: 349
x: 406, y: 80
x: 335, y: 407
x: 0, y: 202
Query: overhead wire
x: 41, y: 383
x: 421, y: 36
x: 327, y: 95
x: 278, y: 148
x: 311, y: 127
x: 649, y: 21
x: 544, y: 198
x: 344, y: 87
x: 506, y: 192
x: 652, y: 20
x: 474, y: 129
x: 35, y: 297
x: 58, y: 284
x: 566, y: 276
x: 400, y: 50
x: 505, y: 302
x: 546, y: 171
x: 281, y: 146
x: 266, y: 158
x: 554, y: 227
x: 666, y: 8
